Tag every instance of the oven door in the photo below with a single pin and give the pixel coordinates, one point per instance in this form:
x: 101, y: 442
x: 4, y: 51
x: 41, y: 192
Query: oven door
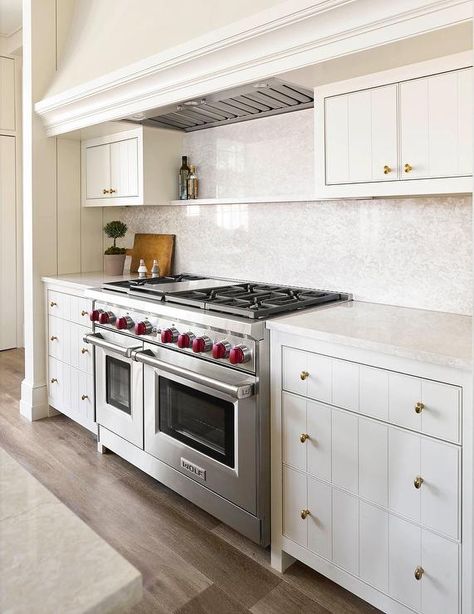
x: 200, y: 418
x: 119, y: 385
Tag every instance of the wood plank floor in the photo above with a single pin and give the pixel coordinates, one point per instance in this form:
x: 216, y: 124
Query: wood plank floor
x: 191, y: 563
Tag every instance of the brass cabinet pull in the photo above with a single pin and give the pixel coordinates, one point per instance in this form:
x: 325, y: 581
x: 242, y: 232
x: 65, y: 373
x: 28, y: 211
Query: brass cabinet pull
x: 419, y: 571
x: 418, y: 481
x: 53, y: 338
x: 304, y: 375
x: 386, y: 169
x: 84, y: 313
x: 54, y: 380
x: 304, y: 437
x: 84, y: 397
x: 112, y: 191
x: 104, y: 191
x: 53, y: 304
x: 305, y: 514
x: 408, y: 168
x: 84, y: 350
x: 419, y: 407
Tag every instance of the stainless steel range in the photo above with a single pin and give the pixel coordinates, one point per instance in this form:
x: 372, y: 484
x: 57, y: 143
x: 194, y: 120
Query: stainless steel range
x: 182, y: 386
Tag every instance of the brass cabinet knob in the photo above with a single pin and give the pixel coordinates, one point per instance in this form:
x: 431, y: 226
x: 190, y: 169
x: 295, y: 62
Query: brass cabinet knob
x: 386, y: 169
x: 305, y: 514
x: 104, y: 191
x: 53, y: 338
x: 54, y: 380
x: 419, y: 407
x: 53, y: 304
x: 84, y: 313
x: 304, y: 375
x: 84, y: 350
x: 304, y: 437
x: 418, y: 481
x: 419, y: 571
x: 408, y: 168
x: 112, y: 191
x: 84, y: 397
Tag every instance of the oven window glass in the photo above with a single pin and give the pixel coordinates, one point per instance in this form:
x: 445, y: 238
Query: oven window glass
x: 118, y: 384
x: 202, y: 421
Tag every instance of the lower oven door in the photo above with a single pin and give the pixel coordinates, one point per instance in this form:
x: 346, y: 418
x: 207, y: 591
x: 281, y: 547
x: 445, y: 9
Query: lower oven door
x: 200, y: 418
x: 119, y: 385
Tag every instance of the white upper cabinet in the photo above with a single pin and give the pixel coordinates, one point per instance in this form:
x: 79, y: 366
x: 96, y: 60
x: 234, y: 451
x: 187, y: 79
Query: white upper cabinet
x: 134, y: 167
x: 406, y: 131
x: 7, y: 94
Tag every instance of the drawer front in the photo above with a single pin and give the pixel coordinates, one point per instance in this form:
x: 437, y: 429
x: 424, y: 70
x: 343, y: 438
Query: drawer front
x: 429, y: 407
x: 58, y: 383
x: 86, y: 396
x: 58, y: 341
x: 84, y: 351
x: 59, y: 304
x: 80, y: 309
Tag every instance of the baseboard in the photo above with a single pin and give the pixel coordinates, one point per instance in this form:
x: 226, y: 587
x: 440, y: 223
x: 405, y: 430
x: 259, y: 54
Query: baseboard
x: 34, y: 401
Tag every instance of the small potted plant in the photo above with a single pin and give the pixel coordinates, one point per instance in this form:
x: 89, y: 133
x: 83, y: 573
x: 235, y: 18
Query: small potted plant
x: 114, y: 257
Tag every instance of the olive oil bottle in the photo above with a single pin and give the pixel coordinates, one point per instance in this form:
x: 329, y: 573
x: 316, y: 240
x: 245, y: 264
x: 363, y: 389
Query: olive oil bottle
x: 183, y: 179
x: 192, y: 183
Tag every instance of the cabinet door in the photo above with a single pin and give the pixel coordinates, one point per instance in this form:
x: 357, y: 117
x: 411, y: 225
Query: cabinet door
x: 97, y: 171
x: 404, y: 558
x: 374, y: 546
x: 124, y: 168
x: 293, y: 427
x: 361, y: 136
x: 440, y: 468
x: 7, y: 94
x: 319, y: 521
x: 440, y: 581
x: 404, y: 468
x: 318, y: 446
x: 345, y: 522
x: 294, y: 502
x: 434, y: 125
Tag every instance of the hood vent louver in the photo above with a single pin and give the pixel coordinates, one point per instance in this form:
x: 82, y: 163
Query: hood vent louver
x: 272, y: 97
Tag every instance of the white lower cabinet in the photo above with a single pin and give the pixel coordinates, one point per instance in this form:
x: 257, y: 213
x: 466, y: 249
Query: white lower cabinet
x: 372, y: 480
x: 70, y: 363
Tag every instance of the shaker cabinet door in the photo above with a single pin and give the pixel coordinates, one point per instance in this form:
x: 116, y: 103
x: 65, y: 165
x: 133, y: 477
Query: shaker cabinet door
x: 98, y: 171
x: 124, y: 168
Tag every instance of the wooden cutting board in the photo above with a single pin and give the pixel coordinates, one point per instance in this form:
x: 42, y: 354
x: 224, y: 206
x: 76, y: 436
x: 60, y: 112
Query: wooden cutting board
x: 151, y: 247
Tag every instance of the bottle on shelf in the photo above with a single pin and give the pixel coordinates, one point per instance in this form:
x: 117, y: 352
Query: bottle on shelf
x: 155, y: 269
x: 142, y: 270
x: 183, y: 178
x: 192, y: 183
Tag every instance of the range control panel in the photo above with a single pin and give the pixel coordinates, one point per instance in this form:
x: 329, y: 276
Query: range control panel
x: 207, y: 343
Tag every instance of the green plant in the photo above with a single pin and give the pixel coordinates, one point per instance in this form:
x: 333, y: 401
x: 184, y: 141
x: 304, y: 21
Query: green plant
x: 115, y: 230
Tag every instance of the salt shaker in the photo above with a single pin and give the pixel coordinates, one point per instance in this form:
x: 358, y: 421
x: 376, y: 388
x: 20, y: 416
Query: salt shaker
x: 155, y: 269
x: 142, y: 270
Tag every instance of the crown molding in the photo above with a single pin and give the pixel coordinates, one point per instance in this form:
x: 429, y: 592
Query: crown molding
x: 292, y: 35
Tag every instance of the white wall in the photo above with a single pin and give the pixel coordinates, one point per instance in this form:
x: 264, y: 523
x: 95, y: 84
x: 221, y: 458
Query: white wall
x: 414, y: 252
x: 110, y: 34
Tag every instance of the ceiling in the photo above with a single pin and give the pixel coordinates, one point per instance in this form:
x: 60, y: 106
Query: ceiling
x: 10, y: 16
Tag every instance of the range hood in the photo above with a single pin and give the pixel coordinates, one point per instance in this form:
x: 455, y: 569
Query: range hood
x: 270, y: 97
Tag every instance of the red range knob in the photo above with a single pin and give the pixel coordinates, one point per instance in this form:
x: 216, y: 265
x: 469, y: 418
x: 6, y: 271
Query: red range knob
x: 202, y: 344
x: 185, y: 340
x: 107, y: 317
x: 124, y: 323
x: 221, y: 349
x: 169, y: 335
x: 143, y: 328
x: 94, y: 315
x: 239, y: 354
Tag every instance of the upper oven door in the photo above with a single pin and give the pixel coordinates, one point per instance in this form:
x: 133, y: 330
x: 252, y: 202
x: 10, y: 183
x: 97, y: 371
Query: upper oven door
x: 200, y: 419
x: 119, y: 385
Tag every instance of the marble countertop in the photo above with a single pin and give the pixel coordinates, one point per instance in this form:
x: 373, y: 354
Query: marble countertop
x: 50, y: 558
x: 429, y: 336
x: 86, y: 280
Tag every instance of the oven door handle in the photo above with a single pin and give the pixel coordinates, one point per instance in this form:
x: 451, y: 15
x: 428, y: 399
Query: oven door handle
x: 236, y: 391
x: 98, y: 340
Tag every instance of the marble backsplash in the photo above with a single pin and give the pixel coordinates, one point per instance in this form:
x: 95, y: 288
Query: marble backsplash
x: 413, y: 252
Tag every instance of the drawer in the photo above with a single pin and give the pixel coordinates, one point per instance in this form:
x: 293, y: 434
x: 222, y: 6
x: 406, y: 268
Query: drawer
x: 80, y: 309
x: 58, y: 383
x: 432, y: 408
x: 81, y: 397
x: 58, y: 338
x: 80, y: 355
x: 59, y: 304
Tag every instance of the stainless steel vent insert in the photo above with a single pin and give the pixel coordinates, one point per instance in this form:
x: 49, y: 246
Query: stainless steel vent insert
x: 271, y: 97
